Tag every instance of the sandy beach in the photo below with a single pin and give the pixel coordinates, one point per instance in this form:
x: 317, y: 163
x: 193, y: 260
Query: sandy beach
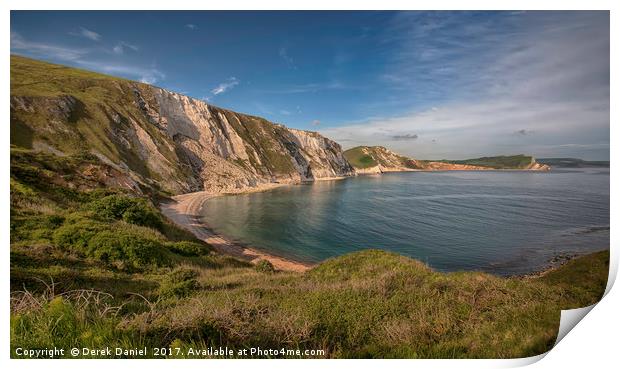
x: 184, y: 210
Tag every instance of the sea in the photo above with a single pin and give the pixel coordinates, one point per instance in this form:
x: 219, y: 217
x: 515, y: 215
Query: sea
x: 501, y: 222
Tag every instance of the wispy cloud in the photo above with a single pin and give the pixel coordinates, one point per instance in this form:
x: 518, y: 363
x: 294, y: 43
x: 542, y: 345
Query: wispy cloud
x: 405, y: 137
x: 84, y: 32
x: 494, y: 84
x: 523, y: 132
x: 121, y: 46
x: 148, y: 75
x: 225, y: 86
x: 288, y: 60
x: 18, y: 43
x: 191, y: 26
x: 86, y: 58
x: 308, y: 87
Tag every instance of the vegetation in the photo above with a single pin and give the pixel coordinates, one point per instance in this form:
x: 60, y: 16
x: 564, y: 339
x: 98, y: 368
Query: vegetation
x: 73, y: 111
x: 573, y: 163
x: 497, y: 162
x: 83, y: 273
x: 358, y: 159
x: 94, y: 263
x: 362, y: 157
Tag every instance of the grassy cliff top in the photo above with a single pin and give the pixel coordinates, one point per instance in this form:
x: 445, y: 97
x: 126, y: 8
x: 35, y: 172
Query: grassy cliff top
x: 362, y: 157
x: 359, y: 159
x: 498, y: 162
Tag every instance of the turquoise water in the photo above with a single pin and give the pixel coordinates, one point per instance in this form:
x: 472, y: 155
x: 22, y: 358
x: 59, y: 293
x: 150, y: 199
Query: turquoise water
x: 501, y: 222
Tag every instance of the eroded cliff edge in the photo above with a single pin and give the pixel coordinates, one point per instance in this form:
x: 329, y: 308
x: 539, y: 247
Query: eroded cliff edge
x: 160, y: 138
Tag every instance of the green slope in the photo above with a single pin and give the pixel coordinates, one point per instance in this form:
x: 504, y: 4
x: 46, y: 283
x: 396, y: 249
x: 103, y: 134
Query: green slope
x: 80, y: 112
x: 359, y: 159
x: 158, y: 286
x: 574, y: 163
x: 362, y: 157
x: 497, y: 162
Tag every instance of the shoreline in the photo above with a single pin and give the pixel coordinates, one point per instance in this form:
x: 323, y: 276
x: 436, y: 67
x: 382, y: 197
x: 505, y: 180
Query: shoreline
x: 184, y: 210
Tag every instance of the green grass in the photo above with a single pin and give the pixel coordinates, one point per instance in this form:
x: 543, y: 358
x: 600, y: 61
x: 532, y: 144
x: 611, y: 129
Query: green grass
x: 85, y: 274
x: 497, y: 162
x: 358, y: 159
x: 76, y: 111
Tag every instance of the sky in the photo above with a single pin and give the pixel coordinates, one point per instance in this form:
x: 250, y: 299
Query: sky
x: 430, y: 85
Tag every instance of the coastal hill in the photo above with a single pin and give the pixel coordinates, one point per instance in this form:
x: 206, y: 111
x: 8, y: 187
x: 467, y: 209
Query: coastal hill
x: 574, y: 163
x: 160, y: 138
x: 378, y: 159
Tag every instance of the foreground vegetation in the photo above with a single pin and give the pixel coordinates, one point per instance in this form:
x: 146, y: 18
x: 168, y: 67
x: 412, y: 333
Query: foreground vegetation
x: 95, y: 267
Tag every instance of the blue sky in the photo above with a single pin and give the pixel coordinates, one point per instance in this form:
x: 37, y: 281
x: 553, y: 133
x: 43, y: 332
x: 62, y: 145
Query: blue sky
x: 426, y: 84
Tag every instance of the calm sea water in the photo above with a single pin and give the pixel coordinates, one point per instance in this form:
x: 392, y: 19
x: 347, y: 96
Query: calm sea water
x: 500, y: 222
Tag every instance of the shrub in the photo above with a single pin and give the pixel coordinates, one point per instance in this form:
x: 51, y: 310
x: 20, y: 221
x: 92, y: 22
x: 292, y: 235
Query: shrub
x: 264, y: 266
x: 180, y: 282
x: 126, y: 248
x: 130, y: 245
x: 132, y: 210
x: 188, y: 248
x: 75, y: 235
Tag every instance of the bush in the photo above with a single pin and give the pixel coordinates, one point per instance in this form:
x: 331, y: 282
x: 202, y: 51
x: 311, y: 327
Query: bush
x: 75, y: 236
x: 132, y: 210
x: 112, y: 243
x: 264, y: 266
x: 187, y: 248
x: 180, y: 282
x: 127, y: 248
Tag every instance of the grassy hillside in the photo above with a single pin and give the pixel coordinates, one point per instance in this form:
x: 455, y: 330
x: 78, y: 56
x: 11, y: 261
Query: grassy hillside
x: 94, y: 266
x: 75, y: 112
x: 359, y: 159
x: 497, y: 162
x: 362, y: 157
x: 573, y: 163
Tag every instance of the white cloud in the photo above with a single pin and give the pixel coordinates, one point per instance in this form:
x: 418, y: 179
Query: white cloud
x: 191, y: 26
x: 225, y: 86
x: 86, y: 58
x: 148, y: 75
x: 18, y: 43
x: 551, y: 80
x: 120, y: 47
x: 91, y: 35
x: 283, y: 53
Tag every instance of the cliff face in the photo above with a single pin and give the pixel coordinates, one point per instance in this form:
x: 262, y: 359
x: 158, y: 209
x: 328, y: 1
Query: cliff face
x: 163, y: 139
x: 228, y: 151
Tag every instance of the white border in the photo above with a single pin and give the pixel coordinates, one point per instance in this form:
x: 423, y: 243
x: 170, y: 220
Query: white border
x: 592, y: 343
